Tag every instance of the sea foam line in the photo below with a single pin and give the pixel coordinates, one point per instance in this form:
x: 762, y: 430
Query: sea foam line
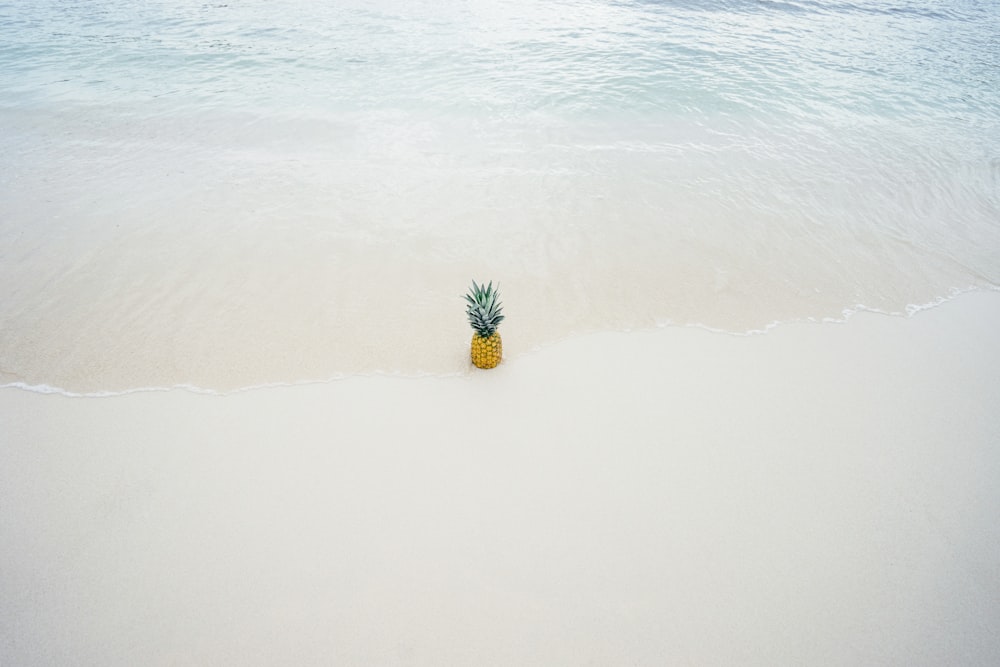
x: 846, y: 315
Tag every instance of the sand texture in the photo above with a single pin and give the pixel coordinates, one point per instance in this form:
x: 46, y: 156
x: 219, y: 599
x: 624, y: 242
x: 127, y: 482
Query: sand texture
x: 824, y: 494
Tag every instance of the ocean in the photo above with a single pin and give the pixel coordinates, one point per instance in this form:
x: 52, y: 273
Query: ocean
x: 222, y: 195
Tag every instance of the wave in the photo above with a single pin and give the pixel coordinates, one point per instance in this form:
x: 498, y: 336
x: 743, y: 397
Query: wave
x: 845, y: 316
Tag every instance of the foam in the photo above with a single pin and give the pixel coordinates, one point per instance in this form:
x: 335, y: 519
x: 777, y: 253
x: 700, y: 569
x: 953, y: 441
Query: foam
x: 847, y: 314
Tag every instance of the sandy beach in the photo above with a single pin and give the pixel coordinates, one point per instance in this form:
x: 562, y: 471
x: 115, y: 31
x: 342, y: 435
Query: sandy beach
x: 823, y: 494
x: 238, y: 420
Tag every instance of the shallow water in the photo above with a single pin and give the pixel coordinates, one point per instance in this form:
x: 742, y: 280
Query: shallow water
x: 223, y: 195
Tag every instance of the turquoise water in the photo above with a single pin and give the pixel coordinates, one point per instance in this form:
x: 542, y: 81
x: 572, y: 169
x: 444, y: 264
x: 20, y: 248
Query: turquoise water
x: 229, y: 194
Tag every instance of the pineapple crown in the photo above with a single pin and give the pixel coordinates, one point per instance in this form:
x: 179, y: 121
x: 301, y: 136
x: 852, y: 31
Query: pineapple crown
x: 484, y: 309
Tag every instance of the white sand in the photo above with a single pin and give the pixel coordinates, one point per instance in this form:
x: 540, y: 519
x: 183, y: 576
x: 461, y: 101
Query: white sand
x: 823, y: 494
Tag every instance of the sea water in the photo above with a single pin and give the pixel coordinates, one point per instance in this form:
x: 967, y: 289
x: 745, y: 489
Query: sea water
x: 223, y: 194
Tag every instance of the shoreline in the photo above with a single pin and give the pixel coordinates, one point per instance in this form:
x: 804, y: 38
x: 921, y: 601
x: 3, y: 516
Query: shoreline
x: 847, y: 314
x: 817, y: 495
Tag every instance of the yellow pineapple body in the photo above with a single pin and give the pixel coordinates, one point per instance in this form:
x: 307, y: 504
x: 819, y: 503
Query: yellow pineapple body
x: 486, y: 351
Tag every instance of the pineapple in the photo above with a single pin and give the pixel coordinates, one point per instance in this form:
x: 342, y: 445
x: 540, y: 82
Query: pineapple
x: 484, y: 316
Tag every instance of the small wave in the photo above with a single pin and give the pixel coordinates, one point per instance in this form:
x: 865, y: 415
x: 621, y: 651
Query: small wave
x: 845, y: 316
x: 206, y: 391
x: 849, y: 312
